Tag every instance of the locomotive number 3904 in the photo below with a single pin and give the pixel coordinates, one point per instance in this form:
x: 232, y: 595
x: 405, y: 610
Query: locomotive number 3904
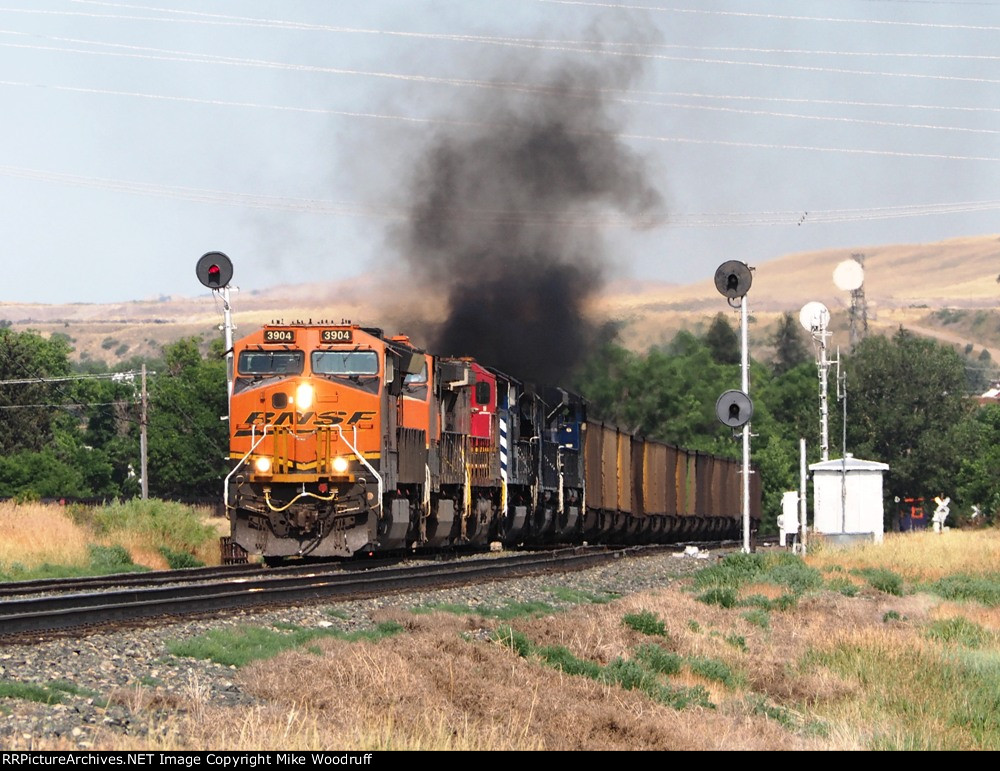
x: 336, y: 336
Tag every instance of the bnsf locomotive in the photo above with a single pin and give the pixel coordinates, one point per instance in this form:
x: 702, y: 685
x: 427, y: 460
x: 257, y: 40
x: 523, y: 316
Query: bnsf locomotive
x: 345, y: 440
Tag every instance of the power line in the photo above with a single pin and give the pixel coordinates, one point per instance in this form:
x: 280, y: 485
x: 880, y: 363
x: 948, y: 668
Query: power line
x: 594, y: 46
x: 775, y: 16
x: 65, y: 405
x: 439, y: 121
x: 150, y: 53
x: 68, y: 378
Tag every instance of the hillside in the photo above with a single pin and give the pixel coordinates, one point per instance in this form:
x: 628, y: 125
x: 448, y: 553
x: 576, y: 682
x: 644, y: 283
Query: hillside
x: 947, y: 290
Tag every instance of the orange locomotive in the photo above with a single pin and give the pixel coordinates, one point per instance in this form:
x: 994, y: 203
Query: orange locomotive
x: 345, y: 440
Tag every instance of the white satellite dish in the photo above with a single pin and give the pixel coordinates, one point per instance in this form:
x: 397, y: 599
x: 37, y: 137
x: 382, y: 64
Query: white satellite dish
x: 849, y: 275
x: 813, y: 315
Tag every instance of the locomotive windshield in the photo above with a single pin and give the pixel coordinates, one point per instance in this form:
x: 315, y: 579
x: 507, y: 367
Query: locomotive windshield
x: 344, y: 362
x: 271, y: 362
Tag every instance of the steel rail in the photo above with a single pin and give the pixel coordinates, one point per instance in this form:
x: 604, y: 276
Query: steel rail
x: 55, y: 613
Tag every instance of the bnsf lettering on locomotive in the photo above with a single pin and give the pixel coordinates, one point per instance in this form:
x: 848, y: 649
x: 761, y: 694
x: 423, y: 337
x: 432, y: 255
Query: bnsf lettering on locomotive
x: 288, y: 417
x: 336, y: 336
x: 330, y: 418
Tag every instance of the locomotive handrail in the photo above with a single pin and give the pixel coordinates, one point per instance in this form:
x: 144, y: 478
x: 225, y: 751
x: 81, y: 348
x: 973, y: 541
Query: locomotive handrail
x: 253, y: 446
x: 364, y: 461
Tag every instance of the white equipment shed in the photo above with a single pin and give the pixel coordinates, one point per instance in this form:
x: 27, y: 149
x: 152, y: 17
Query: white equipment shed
x: 847, y: 498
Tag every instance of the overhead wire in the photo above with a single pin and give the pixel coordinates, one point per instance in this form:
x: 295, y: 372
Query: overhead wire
x: 359, y: 209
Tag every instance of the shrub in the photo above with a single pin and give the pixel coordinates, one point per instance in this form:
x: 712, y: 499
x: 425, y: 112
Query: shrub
x: 758, y: 617
x: 984, y: 589
x: 659, y: 659
x: 562, y: 659
x: 178, y: 560
x: 645, y: 622
x: 723, y: 596
x: 882, y: 579
x: 106, y: 558
x: 958, y: 631
x: 164, y: 523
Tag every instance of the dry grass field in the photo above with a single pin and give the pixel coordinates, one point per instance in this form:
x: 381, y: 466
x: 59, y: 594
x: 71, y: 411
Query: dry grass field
x: 37, y: 538
x: 946, y: 290
x: 829, y: 654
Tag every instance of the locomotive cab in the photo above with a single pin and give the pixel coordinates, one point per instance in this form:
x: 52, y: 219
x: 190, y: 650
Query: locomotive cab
x: 313, y: 417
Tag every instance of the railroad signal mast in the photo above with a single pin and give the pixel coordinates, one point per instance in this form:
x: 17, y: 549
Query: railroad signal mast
x: 215, y: 270
x: 735, y: 408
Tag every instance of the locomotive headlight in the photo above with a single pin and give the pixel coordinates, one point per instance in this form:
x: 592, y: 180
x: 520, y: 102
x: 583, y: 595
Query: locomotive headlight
x: 304, y: 396
x: 263, y: 465
x: 340, y: 464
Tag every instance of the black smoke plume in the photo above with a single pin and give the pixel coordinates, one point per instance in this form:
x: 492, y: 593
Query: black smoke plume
x: 505, y: 214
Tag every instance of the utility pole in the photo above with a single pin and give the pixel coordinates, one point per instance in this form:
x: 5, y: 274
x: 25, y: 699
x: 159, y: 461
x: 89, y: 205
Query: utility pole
x: 143, y: 422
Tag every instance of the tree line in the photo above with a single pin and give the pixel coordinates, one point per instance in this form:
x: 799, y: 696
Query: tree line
x: 72, y: 429
x: 908, y: 405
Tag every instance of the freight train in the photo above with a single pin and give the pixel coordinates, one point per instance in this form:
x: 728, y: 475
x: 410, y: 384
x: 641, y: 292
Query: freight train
x: 344, y: 441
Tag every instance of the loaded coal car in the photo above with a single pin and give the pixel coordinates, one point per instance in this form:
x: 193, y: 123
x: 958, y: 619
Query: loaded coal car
x: 345, y: 440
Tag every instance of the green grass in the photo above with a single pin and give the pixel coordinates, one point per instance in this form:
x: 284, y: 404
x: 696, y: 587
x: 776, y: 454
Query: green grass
x: 178, y: 560
x: 984, y: 589
x: 738, y: 570
x: 959, y: 631
x: 506, y: 612
x: 104, y: 560
x: 758, y: 617
x: 712, y: 669
x: 723, y: 596
x: 738, y: 641
x: 581, y: 596
x: 517, y: 642
x: 843, y: 585
x: 562, y: 659
x: 882, y: 579
x: 645, y: 622
x: 951, y: 700
x: 168, y: 524
x: 240, y: 646
x: 49, y: 693
x: 656, y: 658
x: 720, y: 584
x: 759, y: 705
x: 642, y: 672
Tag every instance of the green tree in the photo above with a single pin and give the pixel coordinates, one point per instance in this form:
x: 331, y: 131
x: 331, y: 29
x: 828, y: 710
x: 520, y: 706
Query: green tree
x: 906, y: 400
x: 722, y: 341
x: 978, y: 479
x: 27, y: 408
x: 790, y: 350
x: 188, y: 443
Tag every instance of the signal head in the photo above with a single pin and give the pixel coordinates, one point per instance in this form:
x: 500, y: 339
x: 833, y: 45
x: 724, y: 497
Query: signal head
x: 733, y: 279
x: 214, y: 270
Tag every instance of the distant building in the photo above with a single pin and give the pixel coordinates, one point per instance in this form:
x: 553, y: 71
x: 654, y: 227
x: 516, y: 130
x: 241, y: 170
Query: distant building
x: 991, y: 395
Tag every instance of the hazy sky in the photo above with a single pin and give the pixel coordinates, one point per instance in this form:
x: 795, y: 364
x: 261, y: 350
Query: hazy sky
x: 136, y: 136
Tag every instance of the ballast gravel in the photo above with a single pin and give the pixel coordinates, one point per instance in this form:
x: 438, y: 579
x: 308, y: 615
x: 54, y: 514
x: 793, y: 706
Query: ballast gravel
x: 94, y: 681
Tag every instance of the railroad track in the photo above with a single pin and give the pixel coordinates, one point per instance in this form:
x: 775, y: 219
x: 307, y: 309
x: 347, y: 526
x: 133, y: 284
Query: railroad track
x: 73, y: 612
x: 81, y: 606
